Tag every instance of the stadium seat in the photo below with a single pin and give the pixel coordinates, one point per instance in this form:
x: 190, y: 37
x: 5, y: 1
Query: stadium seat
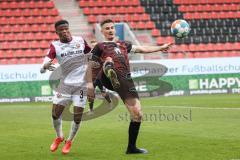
x: 13, y: 61
x: 2, y: 54
x: 9, y: 54
x: 23, y: 61
x: 19, y: 53
x: 3, y: 61
x: 33, y: 60
x: 155, y: 32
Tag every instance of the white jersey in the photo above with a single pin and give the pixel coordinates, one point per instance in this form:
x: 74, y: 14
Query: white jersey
x: 72, y: 59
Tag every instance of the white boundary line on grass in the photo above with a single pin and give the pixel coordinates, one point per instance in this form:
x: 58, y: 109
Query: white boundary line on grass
x: 189, y: 107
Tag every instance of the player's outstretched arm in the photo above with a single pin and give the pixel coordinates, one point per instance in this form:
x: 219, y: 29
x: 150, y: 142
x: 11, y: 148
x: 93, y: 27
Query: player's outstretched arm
x: 151, y: 49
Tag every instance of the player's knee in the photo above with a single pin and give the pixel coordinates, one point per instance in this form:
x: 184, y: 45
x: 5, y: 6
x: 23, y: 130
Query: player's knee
x: 77, y: 119
x: 55, y: 116
x: 137, y: 117
x: 108, y: 59
x: 136, y: 114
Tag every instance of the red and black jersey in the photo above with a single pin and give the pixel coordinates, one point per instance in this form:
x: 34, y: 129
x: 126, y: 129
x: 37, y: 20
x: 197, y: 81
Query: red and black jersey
x: 118, y: 51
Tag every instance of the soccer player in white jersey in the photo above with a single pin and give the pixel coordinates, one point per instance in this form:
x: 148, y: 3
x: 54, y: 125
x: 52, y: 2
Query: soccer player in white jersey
x: 75, y: 82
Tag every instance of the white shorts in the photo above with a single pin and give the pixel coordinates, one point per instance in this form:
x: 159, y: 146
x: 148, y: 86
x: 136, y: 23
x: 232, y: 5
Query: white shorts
x: 78, y: 98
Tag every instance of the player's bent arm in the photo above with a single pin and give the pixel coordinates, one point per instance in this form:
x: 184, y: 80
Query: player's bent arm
x: 151, y: 49
x: 47, y: 64
x: 90, y: 88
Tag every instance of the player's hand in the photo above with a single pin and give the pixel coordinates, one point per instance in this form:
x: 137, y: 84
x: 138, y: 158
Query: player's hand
x: 166, y: 46
x: 49, y: 66
x: 95, y: 64
x: 90, y: 91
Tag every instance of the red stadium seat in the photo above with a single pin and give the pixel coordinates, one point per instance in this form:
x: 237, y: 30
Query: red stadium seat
x: 10, y: 37
x: 39, y: 36
x: 17, y: 13
x: 20, y: 37
x: 180, y: 55
x: 26, y: 12
x: 28, y: 53
x: 19, y: 53
x: 4, y: 45
x: 92, y: 19
x: 49, y: 19
x: 7, y: 13
x: 24, y: 44
x: 83, y: 3
x: 44, y: 44
x: 34, y: 44
x: 29, y: 36
x: 39, y: 20
x: 32, y: 4
x: 155, y: 32
x: 23, y: 61
x: 9, y: 54
x: 149, y: 25
x: 190, y: 55
x: 38, y: 52
x: 2, y: 54
x: 86, y: 11
x: 35, y: 28
x: 4, y: 5
x: 53, y: 12
x: 2, y: 37
x: 6, y: 29
x: 49, y: 4
x: 21, y: 5
x: 13, y: 61
x: 21, y: 20
x: 40, y: 4
x: 35, y: 12
x: 16, y: 29
x: 141, y: 25
x: 3, y: 61
x: 3, y: 21
x: 145, y: 17
x: 30, y: 20
x: 44, y: 28
x: 33, y: 60
x: 12, y: 20
x: 26, y: 28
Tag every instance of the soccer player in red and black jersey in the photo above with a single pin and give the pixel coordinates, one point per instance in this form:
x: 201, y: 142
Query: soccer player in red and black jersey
x: 112, y: 55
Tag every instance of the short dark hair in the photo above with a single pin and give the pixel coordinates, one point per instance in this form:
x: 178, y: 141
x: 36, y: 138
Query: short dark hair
x: 60, y: 22
x: 106, y: 21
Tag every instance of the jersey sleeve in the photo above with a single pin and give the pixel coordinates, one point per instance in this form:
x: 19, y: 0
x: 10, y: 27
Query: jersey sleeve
x: 87, y: 48
x: 129, y: 46
x: 96, y: 53
x: 52, y: 52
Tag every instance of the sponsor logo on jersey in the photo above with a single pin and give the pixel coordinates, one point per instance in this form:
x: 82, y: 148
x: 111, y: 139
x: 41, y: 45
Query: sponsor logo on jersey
x: 70, y: 53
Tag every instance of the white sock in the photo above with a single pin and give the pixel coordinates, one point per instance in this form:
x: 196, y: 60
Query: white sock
x: 57, y: 124
x: 73, y: 130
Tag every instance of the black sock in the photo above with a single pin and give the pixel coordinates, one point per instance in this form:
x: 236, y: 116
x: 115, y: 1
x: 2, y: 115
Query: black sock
x: 107, y: 97
x: 91, y: 106
x: 133, y: 133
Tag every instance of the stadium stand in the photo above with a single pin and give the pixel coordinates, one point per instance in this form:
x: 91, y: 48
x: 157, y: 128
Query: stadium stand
x: 214, y: 24
x: 27, y: 27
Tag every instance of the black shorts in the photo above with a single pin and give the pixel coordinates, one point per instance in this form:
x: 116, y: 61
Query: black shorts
x: 127, y: 88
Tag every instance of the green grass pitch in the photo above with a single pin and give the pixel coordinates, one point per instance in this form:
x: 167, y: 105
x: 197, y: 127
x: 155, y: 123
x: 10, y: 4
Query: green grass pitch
x: 174, y: 128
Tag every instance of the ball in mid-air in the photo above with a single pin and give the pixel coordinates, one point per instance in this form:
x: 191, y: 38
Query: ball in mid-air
x: 180, y: 28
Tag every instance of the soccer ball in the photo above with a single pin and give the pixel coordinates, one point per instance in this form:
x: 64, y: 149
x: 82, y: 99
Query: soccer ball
x: 180, y: 28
